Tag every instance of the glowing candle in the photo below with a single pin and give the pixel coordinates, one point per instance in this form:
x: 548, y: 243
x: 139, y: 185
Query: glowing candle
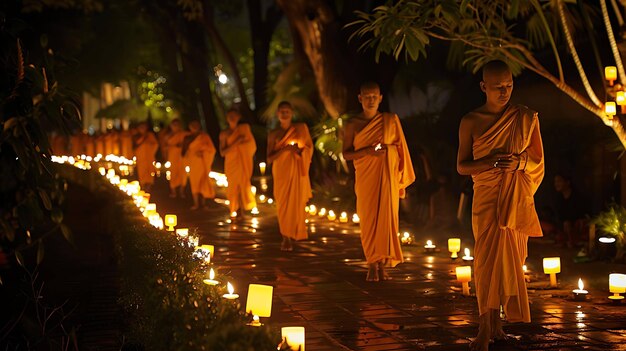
x: 322, y: 212
x: 526, y: 274
x: 552, y: 266
x: 294, y: 337
x: 331, y: 215
x: 255, y: 211
x: 312, y: 210
x: 170, y: 221
x: 262, y: 167
x: 231, y: 292
x: 464, y: 275
x: 211, y: 280
x: 262, y: 198
x: 610, y: 74
x: 356, y: 219
x: 467, y: 256
x: 454, y: 246
x: 102, y: 171
x: 580, y: 294
x: 406, y: 238
x: 233, y: 214
x: 429, y: 247
x: 343, y: 218
x: 150, y: 209
x: 617, y: 285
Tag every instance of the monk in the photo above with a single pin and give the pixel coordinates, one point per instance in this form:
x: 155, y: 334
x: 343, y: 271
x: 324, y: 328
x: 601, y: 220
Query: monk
x: 375, y: 142
x: 174, y: 144
x: 146, y: 146
x: 198, y: 152
x: 290, y: 149
x: 500, y: 147
x: 126, y: 144
x: 237, y: 146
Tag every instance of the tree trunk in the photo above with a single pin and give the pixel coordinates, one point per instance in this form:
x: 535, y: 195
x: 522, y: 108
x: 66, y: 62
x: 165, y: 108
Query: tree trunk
x: 261, y: 32
x: 219, y: 43
x: 315, y: 23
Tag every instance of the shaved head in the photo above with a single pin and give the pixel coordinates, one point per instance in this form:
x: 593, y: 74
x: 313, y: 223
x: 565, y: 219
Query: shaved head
x: 369, y: 86
x: 495, y: 67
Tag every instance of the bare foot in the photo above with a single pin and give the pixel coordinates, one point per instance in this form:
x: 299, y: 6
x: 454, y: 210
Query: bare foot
x: 372, y: 273
x: 286, y: 245
x: 382, y: 274
x: 481, y: 342
x: 497, y: 333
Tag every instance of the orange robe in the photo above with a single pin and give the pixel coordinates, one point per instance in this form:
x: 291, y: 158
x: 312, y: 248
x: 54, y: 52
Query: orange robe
x: 76, y: 145
x: 238, y: 168
x: 99, y: 144
x: 292, y: 187
x: 145, y: 150
x: 503, y: 213
x: 126, y: 144
x: 199, y: 157
x: 88, y: 142
x: 380, y: 182
x: 178, y: 175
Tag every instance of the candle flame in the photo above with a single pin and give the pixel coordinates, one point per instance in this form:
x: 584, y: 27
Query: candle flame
x: 230, y: 288
x: 344, y: 215
x: 255, y: 318
x: 406, y: 235
x: 581, y: 286
x: 212, y: 274
x: 429, y: 243
x: 525, y: 268
x: 467, y: 252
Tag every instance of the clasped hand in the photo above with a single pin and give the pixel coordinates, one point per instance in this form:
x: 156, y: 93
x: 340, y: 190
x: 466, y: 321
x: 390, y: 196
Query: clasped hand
x: 505, y: 161
x: 377, y: 150
x: 293, y: 148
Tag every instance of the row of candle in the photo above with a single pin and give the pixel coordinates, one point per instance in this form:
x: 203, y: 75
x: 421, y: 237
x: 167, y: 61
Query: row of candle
x: 259, y: 300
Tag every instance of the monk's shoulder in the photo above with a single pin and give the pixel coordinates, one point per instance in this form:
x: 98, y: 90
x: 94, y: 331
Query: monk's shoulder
x: 272, y: 134
x: 526, y: 111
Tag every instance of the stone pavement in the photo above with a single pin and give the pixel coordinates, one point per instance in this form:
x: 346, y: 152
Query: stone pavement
x: 321, y: 286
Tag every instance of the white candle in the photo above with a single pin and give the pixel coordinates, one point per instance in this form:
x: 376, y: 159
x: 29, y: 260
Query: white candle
x: 231, y: 292
x: 211, y: 280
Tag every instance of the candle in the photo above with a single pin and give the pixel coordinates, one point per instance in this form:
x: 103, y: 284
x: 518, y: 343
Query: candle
x: 312, y: 210
x: 580, y: 294
x: 270, y: 201
x: 406, y: 238
x: 231, y: 292
x: 322, y: 212
x: 617, y: 285
x: 294, y: 337
x: 466, y: 256
x: 255, y: 211
x: 610, y: 74
x: 233, y: 214
x: 211, y: 280
x: 182, y: 232
x: 262, y: 167
x: 343, y: 218
x: 102, y: 171
x: 170, y: 221
x: 429, y: 247
x: 331, y: 215
x: 454, y: 246
x: 356, y: 219
x: 262, y: 198
x: 526, y: 274
x: 259, y: 302
x: 150, y: 209
x: 464, y: 275
x: 552, y: 266
x: 378, y: 147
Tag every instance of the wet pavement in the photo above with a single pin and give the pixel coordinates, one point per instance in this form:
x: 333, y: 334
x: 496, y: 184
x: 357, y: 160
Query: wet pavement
x: 321, y: 286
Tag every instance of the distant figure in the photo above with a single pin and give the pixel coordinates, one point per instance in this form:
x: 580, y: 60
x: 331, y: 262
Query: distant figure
x: 500, y: 147
x: 383, y: 170
x: 290, y: 148
x: 237, y: 146
x: 99, y: 143
x: 146, y: 146
x: 199, y: 152
x: 174, y: 146
x: 570, y: 208
x: 126, y: 144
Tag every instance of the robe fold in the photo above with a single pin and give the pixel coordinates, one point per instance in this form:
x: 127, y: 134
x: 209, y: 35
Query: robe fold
x: 178, y: 175
x: 380, y: 182
x: 292, y: 187
x: 88, y: 142
x: 199, y: 157
x: 503, y: 212
x: 238, y: 168
x: 145, y: 151
x: 126, y: 144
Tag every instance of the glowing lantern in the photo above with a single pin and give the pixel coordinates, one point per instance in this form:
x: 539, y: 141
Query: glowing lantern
x: 182, y: 232
x: 464, y: 275
x: 259, y: 302
x: 170, y: 221
x: 610, y: 109
x: 552, y: 266
x: 331, y: 215
x: 343, y: 218
x: 610, y: 74
x: 454, y: 246
x: 617, y: 285
x: 262, y: 167
x: 294, y: 337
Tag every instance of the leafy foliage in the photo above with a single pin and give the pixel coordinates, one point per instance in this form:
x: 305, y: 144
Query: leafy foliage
x: 613, y: 223
x: 32, y: 103
x: 168, y: 305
